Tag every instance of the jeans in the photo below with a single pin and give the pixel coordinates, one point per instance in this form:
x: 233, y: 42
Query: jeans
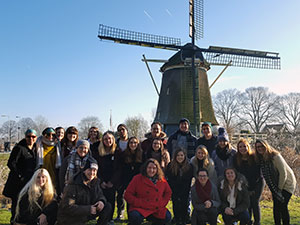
x: 280, y: 209
x: 243, y: 217
x: 135, y: 218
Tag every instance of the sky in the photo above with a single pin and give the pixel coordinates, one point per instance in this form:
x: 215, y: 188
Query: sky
x: 53, y: 64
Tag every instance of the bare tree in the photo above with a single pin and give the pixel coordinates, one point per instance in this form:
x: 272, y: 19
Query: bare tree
x: 25, y: 124
x: 227, y: 107
x: 9, y: 130
x: 86, y: 123
x: 137, y: 126
x: 258, y: 107
x: 289, y: 111
x: 41, y: 123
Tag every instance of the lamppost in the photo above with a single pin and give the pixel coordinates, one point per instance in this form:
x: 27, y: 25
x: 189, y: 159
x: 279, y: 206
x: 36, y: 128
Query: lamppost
x: 9, y: 131
x: 18, y: 128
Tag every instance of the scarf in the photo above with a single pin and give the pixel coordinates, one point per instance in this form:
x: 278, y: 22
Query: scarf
x: 223, y: 153
x: 269, y: 174
x: 40, y: 151
x: 153, y: 179
x: 76, y: 163
x: 203, y: 192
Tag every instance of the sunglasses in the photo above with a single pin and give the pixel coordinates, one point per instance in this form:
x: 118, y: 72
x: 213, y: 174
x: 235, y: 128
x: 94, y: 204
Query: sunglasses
x: 51, y: 134
x: 29, y: 136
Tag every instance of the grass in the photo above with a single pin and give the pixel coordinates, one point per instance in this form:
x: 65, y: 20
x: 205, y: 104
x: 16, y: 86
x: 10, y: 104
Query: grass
x: 266, y: 206
x: 266, y: 212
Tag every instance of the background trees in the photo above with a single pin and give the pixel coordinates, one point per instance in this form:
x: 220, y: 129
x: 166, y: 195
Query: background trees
x: 137, y: 126
x: 86, y: 123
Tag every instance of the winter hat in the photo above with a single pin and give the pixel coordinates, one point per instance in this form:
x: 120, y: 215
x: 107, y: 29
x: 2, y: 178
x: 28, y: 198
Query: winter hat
x: 184, y: 120
x: 206, y: 123
x: 82, y: 142
x: 222, y: 135
x: 90, y: 164
x: 48, y: 130
x: 30, y: 131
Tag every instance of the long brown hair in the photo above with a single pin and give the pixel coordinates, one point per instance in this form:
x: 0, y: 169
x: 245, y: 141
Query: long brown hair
x: 65, y: 140
x: 269, y: 153
x: 160, y: 173
x: 206, y: 158
x: 137, y: 155
x: 226, y: 183
x: 250, y: 154
x: 175, y: 166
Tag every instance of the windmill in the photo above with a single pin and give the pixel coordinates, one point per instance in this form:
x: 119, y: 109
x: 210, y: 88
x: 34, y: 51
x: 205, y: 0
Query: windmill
x: 184, y: 88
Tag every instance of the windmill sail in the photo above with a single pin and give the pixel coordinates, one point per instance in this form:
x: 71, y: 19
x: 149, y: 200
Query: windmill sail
x: 137, y: 38
x: 242, y: 57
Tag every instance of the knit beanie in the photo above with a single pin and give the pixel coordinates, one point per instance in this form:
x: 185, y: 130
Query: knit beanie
x: 82, y: 142
x: 48, y: 130
x: 184, y: 120
x: 90, y: 164
x: 222, y: 135
x: 30, y: 131
x: 206, y: 124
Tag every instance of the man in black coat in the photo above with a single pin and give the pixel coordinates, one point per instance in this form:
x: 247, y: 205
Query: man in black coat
x: 182, y: 138
x: 83, y: 199
x: 208, y: 139
x: 22, y: 164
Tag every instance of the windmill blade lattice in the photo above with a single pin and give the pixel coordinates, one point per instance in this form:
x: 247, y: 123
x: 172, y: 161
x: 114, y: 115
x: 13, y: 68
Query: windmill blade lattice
x: 242, y: 57
x: 137, y: 38
x: 198, y: 14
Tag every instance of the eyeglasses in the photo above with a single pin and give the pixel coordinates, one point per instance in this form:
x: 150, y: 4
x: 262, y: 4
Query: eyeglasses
x: 121, y: 129
x: 29, y: 136
x: 51, y: 134
x: 202, y: 176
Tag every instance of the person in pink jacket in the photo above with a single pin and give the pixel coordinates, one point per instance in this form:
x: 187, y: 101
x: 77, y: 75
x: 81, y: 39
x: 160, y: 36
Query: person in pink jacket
x: 148, y: 194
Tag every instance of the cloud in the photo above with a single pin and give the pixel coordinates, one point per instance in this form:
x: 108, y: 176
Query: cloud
x: 147, y: 14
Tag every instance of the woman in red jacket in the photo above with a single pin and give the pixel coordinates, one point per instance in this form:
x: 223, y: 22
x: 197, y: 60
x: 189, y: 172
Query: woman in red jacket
x: 148, y: 195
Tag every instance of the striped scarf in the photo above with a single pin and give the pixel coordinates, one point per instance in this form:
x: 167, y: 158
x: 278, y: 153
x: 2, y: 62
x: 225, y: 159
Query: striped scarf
x: 40, y: 151
x: 76, y: 163
x: 271, y: 178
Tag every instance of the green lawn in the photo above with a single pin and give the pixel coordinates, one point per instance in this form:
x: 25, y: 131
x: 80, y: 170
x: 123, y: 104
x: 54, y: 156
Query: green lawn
x: 266, y: 211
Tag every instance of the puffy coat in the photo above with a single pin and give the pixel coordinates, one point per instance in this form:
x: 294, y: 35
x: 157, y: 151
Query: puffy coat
x: 75, y: 206
x: 148, y: 198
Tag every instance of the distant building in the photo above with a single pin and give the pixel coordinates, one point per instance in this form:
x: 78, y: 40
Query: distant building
x: 275, y: 128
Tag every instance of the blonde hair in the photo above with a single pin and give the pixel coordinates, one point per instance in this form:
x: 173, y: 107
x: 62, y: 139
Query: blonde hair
x: 103, y: 150
x: 34, y: 192
x: 250, y: 153
x: 206, y: 158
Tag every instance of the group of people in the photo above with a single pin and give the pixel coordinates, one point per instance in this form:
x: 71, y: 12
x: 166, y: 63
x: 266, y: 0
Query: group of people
x: 57, y: 178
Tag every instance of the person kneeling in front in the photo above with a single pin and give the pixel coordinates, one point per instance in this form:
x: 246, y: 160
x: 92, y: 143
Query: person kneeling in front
x: 83, y: 199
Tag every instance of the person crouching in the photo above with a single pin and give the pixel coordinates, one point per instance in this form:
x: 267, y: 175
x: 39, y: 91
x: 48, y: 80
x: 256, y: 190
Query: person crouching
x: 83, y: 199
